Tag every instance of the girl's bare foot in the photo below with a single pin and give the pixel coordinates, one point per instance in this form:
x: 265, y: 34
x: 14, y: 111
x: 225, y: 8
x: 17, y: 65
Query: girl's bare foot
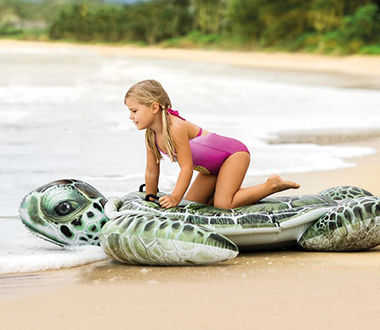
x: 280, y: 184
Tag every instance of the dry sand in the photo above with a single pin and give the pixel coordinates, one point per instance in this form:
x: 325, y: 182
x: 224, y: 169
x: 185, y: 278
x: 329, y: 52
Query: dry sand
x: 259, y: 290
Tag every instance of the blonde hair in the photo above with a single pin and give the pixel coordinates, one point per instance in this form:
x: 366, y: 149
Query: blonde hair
x: 147, y: 92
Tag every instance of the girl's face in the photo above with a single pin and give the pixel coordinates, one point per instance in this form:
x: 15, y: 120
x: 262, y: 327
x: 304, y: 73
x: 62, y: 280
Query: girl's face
x: 141, y: 115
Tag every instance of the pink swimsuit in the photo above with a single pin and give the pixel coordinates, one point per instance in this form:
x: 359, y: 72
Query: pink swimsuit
x: 211, y: 150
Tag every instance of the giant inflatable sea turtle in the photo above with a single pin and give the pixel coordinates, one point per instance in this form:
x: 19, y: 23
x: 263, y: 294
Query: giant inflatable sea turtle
x: 133, y: 230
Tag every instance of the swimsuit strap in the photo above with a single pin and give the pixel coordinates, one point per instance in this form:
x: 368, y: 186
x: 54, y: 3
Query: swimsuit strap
x: 174, y: 113
x: 200, y: 132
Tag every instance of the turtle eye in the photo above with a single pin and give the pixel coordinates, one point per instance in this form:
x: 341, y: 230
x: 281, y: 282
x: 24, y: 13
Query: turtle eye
x: 64, y: 208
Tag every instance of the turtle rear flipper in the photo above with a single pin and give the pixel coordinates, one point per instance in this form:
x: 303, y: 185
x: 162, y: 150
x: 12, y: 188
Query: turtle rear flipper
x: 354, y: 225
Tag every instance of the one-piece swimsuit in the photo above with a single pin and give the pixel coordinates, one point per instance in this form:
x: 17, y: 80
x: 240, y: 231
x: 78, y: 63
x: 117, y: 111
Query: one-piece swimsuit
x: 209, y: 151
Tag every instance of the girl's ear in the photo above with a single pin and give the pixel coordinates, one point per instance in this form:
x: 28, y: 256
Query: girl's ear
x: 155, y: 107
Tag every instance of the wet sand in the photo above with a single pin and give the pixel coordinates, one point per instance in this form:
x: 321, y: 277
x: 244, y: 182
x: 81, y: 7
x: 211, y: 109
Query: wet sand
x: 291, y: 289
x: 287, y: 289
x: 266, y: 290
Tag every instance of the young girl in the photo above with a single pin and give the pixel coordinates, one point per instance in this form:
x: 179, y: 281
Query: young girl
x: 221, y: 161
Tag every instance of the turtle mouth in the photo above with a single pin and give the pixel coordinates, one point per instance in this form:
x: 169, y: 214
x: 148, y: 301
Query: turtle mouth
x: 44, y: 236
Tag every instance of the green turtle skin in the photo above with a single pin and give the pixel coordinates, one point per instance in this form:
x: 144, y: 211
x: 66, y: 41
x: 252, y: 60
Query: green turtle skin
x: 268, y: 213
x: 71, y: 212
x: 353, y: 225
x: 140, y: 238
x: 135, y: 231
x: 273, y: 221
x: 65, y: 212
x: 344, y: 192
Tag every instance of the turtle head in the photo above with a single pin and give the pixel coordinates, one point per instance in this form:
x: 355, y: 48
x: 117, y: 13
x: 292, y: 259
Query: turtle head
x: 65, y: 212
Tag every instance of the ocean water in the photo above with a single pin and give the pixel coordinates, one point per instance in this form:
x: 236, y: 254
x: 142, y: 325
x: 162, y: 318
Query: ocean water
x: 62, y: 116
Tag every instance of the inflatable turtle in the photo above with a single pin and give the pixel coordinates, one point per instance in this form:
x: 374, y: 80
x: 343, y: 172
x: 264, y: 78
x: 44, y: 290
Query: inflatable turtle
x: 135, y: 231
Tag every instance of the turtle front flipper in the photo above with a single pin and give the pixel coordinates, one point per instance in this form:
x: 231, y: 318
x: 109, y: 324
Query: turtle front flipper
x: 353, y: 225
x: 141, y: 238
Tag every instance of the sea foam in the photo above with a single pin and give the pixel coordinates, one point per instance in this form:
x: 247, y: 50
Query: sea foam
x: 21, y: 251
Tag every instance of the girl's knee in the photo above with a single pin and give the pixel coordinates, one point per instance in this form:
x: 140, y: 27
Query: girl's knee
x: 223, y: 204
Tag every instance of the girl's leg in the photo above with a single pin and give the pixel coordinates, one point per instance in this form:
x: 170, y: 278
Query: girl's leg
x: 228, y: 193
x: 202, y: 188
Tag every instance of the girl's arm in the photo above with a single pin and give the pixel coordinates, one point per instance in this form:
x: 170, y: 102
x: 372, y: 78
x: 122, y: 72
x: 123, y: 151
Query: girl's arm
x: 185, y: 161
x: 152, y: 173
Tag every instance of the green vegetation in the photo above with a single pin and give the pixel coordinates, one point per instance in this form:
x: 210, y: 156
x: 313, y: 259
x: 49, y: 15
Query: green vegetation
x: 326, y: 26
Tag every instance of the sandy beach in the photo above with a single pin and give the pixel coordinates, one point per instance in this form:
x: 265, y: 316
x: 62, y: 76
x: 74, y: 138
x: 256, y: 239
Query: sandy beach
x: 287, y: 289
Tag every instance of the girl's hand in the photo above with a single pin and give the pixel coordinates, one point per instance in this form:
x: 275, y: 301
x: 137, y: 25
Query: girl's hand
x: 168, y: 201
